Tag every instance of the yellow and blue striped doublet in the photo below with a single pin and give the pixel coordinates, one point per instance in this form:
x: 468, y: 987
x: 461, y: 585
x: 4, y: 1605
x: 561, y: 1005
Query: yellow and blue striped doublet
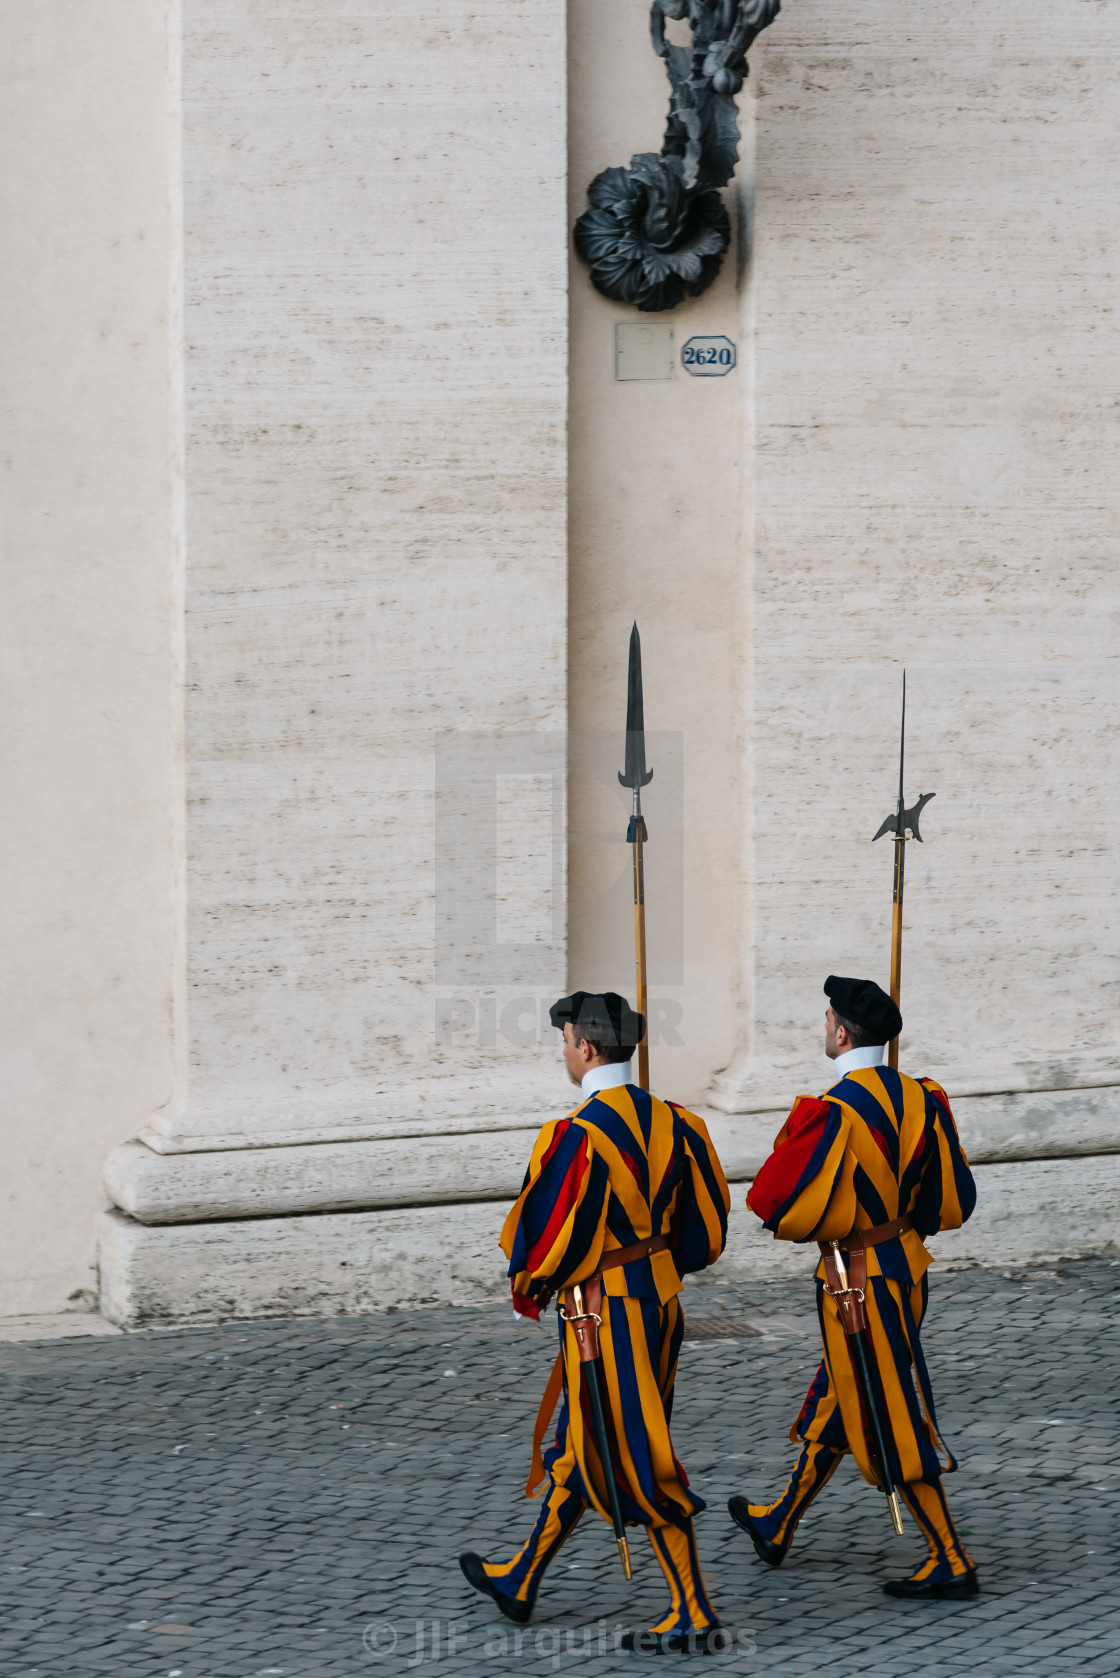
x: 875, y: 1147
x: 624, y: 1167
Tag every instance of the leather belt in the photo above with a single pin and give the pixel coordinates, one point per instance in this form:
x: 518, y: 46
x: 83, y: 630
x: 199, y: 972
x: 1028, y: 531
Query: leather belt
x: 582, y: 1303
x: 639, y: 1250
x: 851, y: 1301
x: 860, y: 1239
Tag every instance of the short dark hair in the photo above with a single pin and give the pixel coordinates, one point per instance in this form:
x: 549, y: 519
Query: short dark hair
x: 610, y: 1052
x: 860, y: 1036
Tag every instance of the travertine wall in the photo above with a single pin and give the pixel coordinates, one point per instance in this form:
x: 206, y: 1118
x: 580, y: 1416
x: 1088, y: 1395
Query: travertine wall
x: 936, y: 484
x: 913, y: 461
x: 87, y: 923
x: 375, y: 383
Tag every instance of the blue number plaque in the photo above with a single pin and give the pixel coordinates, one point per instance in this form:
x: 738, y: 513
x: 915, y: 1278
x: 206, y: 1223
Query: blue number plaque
x: 708, y: 358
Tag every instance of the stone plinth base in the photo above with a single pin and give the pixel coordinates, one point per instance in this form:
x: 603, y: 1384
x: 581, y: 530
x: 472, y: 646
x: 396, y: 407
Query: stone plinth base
x: 417, y: 1170
x: 1033, y: 1213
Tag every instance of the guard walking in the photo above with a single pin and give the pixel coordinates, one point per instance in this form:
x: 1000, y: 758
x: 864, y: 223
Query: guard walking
x: 621, y: 1199
x: 871, y: 1168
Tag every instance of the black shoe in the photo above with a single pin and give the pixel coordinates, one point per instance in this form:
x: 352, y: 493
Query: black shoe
x: 475, y: 1574
x: 772, y: 1554
x: 941, y: 1590
x: 674, y: 1642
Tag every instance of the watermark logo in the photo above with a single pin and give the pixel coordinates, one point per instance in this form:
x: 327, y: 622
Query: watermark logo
x: 530, y: 833
x: 495, y: 1020
x: 428, y: 1642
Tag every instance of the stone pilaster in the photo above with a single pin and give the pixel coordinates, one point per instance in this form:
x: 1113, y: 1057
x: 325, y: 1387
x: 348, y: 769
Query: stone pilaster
x: 934, y: 487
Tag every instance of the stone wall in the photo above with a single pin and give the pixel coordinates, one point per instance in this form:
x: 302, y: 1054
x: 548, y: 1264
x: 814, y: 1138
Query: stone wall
x: 374, y: 376
x: 285, y: 956
x: 87, y: 622
x: 935, y: 487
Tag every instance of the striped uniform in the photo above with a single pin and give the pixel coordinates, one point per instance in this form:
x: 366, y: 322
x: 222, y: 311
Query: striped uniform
x: 622, y: 1168
x: 876, y: 1146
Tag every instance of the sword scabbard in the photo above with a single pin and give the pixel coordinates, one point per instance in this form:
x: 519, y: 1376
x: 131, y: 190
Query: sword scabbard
x: 851, y: 1303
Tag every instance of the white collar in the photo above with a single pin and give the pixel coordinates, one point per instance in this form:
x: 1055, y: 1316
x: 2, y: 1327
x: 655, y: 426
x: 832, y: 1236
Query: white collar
x: 606, y: 1077
x: 855, y: 1060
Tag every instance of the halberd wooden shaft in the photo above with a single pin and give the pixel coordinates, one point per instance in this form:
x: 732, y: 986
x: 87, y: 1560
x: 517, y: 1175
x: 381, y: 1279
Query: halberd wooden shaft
x: 896, y: 937
x: 640, y: 959
x: 636, y: 776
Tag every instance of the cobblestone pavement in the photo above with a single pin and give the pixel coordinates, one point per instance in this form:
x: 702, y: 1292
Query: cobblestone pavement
x: 289, y: 1497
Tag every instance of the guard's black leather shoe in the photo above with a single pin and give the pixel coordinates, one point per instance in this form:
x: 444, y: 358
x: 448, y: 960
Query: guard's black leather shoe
x: 475, y: 1574
x: 766, y: 1550
x: 677, y: 1642
x: 936, y: 1590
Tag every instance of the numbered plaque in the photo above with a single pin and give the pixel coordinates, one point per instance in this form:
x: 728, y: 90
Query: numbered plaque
x: 708, y: 358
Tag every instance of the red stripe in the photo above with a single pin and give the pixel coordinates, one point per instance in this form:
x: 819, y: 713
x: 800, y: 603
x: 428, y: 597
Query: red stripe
x: 632, y: 1166
x: 942, y: 1098
x: 555, y: 1143
x: 566, y: 1197
x: 779, y: 1177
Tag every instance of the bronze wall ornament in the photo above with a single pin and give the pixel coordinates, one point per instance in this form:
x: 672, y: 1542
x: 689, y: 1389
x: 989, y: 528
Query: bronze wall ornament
x: 656, y: 232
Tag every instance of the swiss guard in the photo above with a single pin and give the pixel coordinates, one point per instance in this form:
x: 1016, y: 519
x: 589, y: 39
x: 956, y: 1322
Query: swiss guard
x: 874, y: 1166
x: 621, y: 1199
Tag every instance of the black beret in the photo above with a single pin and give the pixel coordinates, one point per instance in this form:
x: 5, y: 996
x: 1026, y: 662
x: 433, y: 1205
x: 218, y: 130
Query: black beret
x: 607, y: 1018
x: 865, y: 1004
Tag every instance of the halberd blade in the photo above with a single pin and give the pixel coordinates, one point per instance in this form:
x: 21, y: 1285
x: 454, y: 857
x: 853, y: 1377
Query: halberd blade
x: 904, y: 818
x: 635, y: 773
x: 909, y: 819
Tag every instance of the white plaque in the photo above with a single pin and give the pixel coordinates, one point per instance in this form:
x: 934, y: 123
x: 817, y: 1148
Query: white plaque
x: 643, y: 352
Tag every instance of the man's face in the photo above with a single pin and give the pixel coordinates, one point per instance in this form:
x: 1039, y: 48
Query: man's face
x: 832, y: 1034
x: 577, y: 1056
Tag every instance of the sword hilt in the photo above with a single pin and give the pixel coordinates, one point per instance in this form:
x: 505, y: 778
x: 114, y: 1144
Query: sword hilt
x: 587, y: 1339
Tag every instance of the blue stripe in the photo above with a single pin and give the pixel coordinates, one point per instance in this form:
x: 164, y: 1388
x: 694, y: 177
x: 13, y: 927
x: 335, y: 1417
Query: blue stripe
x: 964, y: 1181
x: 676, y: 1335
x: 643, y: 1108
x: 567, y: 1506
x: 633, y: 1421
x: 584, y: 1226
x: 812, y: 1170
x: 700, y: 1153
x: 891, y: 1321
x: 542, y: 1196
x: 665, y: 1191
x: 614, y: 1126
x: 818, y: 1388
x: 930, y: 1531
x: 891, y: 1080
x: 863, y: 1102
x: 921, y: 1369
x: 868, y: 1196
x: 670, y: 1568
x: 926, y: 1211
x: 623, y: 1230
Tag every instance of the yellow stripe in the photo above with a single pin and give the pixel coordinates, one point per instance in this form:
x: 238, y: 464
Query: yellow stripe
x: 808, y: 1210
x: 913, y: 1123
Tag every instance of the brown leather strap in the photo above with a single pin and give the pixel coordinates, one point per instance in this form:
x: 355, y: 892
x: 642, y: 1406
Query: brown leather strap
x: 849, y: 1301
x: 627, y: 1255
x: 860, y: 1239
x: 551, y: 1393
